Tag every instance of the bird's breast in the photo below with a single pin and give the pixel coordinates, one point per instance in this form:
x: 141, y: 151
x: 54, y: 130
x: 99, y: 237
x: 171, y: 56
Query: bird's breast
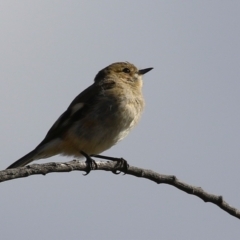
x: 106, y: 124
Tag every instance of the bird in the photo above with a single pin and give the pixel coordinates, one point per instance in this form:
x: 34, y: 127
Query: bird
x: 98, y: 118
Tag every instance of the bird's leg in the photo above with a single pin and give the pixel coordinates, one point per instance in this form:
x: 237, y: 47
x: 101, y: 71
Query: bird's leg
x: 90, y: 162
x: 121, y: 161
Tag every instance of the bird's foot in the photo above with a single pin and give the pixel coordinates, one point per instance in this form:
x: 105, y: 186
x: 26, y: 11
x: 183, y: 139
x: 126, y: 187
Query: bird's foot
x: 91, y: 164
x: 121, y: 162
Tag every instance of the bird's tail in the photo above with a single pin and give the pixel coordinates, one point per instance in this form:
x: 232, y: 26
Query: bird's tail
x: 25, y: 159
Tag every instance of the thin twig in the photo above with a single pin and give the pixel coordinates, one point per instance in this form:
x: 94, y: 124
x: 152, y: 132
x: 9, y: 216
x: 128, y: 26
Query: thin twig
x: 74, y: 165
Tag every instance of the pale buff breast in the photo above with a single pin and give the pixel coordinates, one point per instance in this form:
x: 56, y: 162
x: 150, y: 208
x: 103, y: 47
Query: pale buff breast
x: 95, y: 135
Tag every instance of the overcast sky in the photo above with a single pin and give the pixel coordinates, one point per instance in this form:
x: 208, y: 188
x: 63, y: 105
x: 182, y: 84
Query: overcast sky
x: 51, y: 50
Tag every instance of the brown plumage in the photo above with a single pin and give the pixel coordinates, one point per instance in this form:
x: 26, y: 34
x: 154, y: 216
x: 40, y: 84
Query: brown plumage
x: 97, y: 118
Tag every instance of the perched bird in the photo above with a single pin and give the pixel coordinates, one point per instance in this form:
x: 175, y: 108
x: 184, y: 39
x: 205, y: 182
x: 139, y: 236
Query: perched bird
x: 99, y: 117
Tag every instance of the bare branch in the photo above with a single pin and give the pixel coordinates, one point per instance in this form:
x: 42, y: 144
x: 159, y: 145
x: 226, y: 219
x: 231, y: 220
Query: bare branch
x: 74, y: 165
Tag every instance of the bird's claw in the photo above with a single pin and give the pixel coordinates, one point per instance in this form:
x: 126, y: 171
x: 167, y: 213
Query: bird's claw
x: 91, y: 164
x: 122, y: 163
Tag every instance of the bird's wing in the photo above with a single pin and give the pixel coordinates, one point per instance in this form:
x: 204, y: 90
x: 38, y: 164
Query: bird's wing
x: 78, y: 108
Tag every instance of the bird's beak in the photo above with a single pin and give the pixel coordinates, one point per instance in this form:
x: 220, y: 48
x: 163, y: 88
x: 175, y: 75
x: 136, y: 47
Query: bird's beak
x: 143, y: 71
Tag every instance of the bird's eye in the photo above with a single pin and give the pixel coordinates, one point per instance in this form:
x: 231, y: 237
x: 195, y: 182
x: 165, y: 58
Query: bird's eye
x: 126, y: 70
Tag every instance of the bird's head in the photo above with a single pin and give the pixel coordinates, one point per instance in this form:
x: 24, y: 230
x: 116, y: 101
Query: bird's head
x: 122, y: 71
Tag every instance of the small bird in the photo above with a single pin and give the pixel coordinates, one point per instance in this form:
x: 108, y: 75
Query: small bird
x: 98, y: 118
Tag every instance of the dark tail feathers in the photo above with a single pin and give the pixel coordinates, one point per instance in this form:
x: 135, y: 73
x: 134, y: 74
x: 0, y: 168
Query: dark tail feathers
x: 24, y: 160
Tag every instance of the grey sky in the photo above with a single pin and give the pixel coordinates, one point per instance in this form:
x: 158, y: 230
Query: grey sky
x: 51, y: 50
